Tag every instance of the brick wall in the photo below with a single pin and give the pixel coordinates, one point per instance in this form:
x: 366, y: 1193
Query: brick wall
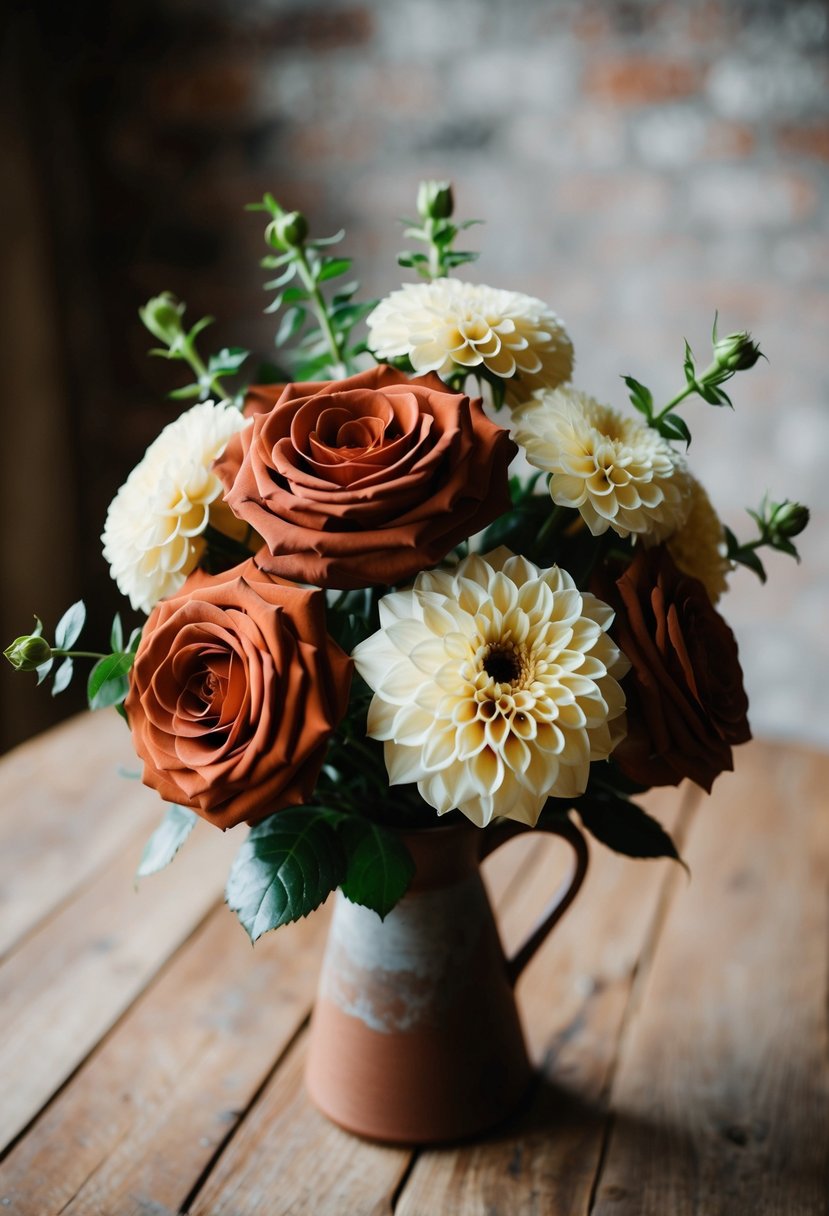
x: 639, y: 165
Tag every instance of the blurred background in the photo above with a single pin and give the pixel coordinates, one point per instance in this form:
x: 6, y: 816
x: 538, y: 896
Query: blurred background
x: 639, y: 164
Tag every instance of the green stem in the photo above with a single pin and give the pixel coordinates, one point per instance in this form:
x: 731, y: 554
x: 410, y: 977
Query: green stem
x: 551, y: 523
x: 686, y: 392
x: 200, y: 368
x: 77, y: 654
x: 340, y: 366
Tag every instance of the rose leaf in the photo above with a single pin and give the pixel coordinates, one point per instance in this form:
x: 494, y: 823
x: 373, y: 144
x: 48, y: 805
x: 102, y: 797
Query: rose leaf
x: 69, y: 626
x: 626, y: 828
x: 166, y: 840
x: 379, y: 866
x: 286, y: 868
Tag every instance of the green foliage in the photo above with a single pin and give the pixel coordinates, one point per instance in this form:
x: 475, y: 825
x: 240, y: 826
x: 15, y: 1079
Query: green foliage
x: 163, y: 316
x: 379, y: 867
x: 286, y: 868
x: 436, y: 230
x: 166, y: 840
x: 777, y: 523
x: 323, y: 326
x: 625, y: 827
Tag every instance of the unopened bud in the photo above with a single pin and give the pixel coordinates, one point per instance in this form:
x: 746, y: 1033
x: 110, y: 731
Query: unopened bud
x: 789, y: 519
x: 28, y: 652
x: 289, y: 229
x: 435, y: 200
x: 162, y: 317
x: 736, y: 352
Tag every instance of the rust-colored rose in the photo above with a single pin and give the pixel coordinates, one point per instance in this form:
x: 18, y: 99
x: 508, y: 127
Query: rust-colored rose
x: 235, y: 690
x: 686, y: 702
x: 365, y: 481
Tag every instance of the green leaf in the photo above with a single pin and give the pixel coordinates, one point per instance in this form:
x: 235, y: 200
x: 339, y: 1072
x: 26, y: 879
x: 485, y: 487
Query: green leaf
x: 284, y: 278
x: 134, y: 639
x: 320, y: 242
x: 198, y: 327
x: 116, y: 633
x: 166, y: 840
x: 108, y: 684
x: 286, y: 868
x: 749, y: 557
x: 69, y: 626
x: 44, y: 669
x: 641, y: 397
x: 185, y: 394
x: 688, y: 365
x: 379, y: 866
x: 63, y: 677
x: 411, y: 259
x: 626, y: 828
x: 332, y: 268
x: 673, y: 427
x: 291, y: 324
x: 228, y: 360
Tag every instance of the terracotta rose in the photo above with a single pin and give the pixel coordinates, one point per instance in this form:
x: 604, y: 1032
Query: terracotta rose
x: 686, y: 702
x: 235, y: 689
x: 365, y: 481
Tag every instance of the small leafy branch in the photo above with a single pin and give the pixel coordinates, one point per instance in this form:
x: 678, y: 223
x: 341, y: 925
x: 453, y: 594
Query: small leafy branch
x: 732, y: 354
x: 327, y: 348
x: 777, y: 524
x: 163, y: 316
x: 437, y: 231
x: 107, y: 683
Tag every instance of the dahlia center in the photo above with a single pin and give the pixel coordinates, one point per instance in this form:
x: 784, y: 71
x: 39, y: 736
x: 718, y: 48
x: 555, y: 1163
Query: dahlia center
x: 504, y: 663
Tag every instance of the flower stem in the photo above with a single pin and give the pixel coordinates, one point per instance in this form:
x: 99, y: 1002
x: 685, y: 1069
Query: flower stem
x: 315, y: 296
x: 200, y: 368
x: 686, y: 392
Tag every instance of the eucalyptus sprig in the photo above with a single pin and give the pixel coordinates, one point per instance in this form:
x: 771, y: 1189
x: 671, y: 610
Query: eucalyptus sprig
x: 732, y: 354
x: 327, y: 348
x: 777, y: 523
x: 107, y: 683
x: 437, y: 231
x: 163, y: 316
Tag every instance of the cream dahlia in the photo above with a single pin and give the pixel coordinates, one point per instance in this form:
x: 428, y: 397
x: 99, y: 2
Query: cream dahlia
x: 698, y: 547
x: 153, y: 532
x: 446, y: 325
x: 618, y: 472
x: 495, y: 685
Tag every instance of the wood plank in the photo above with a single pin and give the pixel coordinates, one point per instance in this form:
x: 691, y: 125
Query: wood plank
x: 573, y: 998
x: 287, y: 1158
x: 66, y: 814
x: 722, y: 1097
x: 73, y: 977
x: 139, y: 1124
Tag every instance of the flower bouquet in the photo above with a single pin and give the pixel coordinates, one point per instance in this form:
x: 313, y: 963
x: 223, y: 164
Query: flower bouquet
x: 413, y: 578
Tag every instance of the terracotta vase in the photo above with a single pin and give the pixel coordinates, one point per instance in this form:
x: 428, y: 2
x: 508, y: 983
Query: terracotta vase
x: 415, y: 1036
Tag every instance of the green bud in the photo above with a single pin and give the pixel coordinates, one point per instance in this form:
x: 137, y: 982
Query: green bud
x: 289, y: 230
x: 162, y: 317
x: 736, y: 352
x: 435, y: 200
x: 28, y: 652
x: 789, y: 519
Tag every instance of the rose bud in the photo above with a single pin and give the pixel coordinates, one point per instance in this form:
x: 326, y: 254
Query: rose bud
x: 788, y: 519
x: 736, y: 352
x: 162, y: 317
x: 28, y: 652
x: 435, y: 200
x: 289, y: 230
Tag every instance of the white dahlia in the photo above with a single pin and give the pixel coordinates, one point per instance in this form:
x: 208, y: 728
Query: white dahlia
x: 446, y: 325
x: 152, y: 535
x: 618, y: 472
x: 698, y: 547
x: 495, y: 685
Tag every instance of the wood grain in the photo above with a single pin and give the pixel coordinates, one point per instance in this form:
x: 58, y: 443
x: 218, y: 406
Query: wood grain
x: 722, y: 1098
x: 143, y: 1119
x: 76, y: 975
x: 68, y: 813
x: 573, y: 998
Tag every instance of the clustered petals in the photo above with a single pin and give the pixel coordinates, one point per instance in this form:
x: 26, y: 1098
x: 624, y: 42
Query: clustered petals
x: 618, y: 472
x: 448, y: 325
x: 496, y: 685
x: 153, y: 536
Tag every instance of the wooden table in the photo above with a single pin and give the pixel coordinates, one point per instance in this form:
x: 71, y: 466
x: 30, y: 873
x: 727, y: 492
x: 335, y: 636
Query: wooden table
x: 151, y: 1061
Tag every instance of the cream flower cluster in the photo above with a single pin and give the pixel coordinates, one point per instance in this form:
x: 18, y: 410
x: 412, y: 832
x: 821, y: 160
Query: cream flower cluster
x: 152, y: 536
x: 446, y: 324
x: 698, y: 547
x: 496, y: 685
x: 618, y: 472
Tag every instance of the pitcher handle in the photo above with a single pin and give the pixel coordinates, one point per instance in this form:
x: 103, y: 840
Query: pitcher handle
x: 564, y: 896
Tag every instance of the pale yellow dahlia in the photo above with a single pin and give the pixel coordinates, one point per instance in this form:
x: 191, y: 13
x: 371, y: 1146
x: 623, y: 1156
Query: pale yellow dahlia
x: 152, y: 536
x: 495, y: 685
x: 698, y: 547
x: 618, y: 472
x: 446, y: 325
